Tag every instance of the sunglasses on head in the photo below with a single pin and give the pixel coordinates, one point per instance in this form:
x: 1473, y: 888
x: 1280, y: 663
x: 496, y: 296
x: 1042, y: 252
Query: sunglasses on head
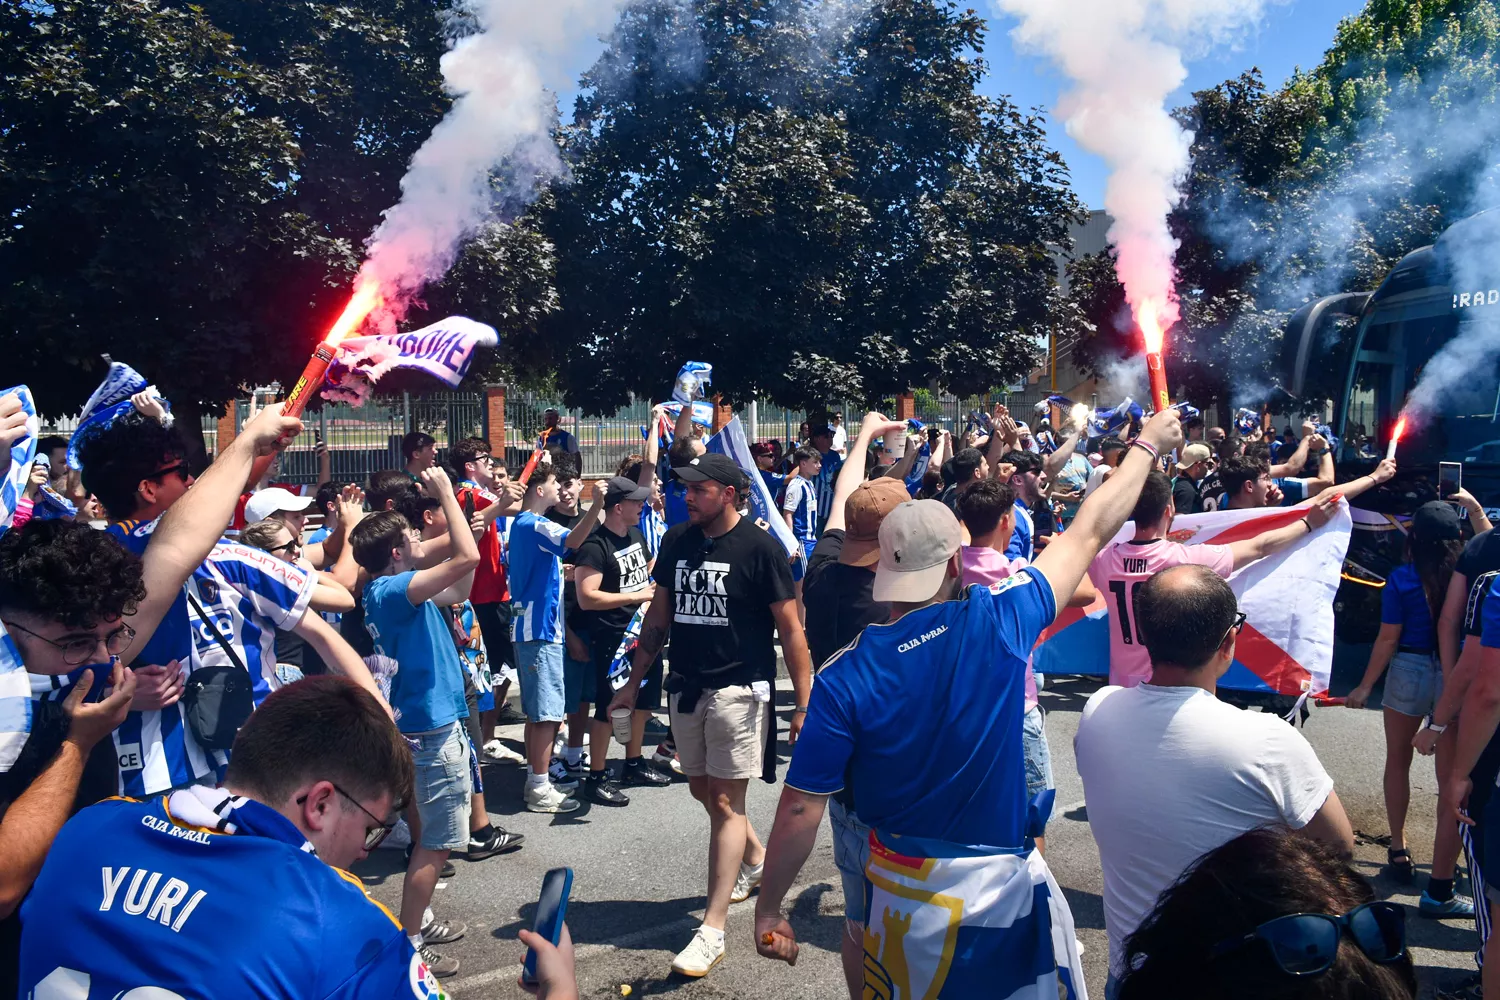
x: 1306, y: 944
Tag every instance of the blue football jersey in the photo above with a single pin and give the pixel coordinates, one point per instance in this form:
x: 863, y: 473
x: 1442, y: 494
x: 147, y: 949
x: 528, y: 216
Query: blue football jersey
x: 204, y: 895
x: 537, y: 546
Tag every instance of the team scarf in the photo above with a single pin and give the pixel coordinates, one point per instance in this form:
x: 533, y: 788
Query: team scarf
x: 1245, y: 421
x: 224, y: 812
x: 444, y: 350
x: 1111, y: 420
x: 703, y: 416
x: 109, y: 403
x: 22, y: 454
x: 692, y: 379
x: 1286, y: 646
x: 971, y: 926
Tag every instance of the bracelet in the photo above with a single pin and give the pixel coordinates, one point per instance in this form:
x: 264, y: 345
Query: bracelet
x: 800, y: 708
x: 1148, y: 448
x: 1309, y: 525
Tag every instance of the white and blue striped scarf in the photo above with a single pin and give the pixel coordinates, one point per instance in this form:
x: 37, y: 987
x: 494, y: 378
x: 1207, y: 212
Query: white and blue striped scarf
x: 110, y: 402
x: 15, y: 687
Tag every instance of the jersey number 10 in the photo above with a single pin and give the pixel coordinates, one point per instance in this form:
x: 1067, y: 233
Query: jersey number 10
x: 1124, y: 611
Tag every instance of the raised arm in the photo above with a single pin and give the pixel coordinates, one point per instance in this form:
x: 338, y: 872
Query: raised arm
x: 1066, y: 559
x: 1354, y: 487
x: 852, y: 472
x: 584, y: 528
x: 338, y: 654
x: 1270, y: 542
x: 684, y: 427
x: 427, y: 584
x: 1053, y: 463
x: 1293, y: 466
x: 191, y: 527
x: 652, y: 453
x: 1477, y: 517
x: 1003, y: 437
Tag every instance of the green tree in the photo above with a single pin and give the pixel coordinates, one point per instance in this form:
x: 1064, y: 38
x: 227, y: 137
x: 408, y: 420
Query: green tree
x: 822, y: 210
x: 190, y: 186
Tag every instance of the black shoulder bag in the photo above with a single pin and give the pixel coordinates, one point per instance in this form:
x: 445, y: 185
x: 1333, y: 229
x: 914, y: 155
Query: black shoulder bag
x: 217, y: 700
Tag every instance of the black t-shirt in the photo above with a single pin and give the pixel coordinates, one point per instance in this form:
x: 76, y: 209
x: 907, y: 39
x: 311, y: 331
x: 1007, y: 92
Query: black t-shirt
x: 625, y: 563
x: 721, y: 591
x: 839, y: 599
x: 1480, y: 564
x: 1185, y: 496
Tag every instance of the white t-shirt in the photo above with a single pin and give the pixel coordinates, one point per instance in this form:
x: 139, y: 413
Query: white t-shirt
x: 840, y: 440
x: 1169, y: 774
x: 1096, y: 476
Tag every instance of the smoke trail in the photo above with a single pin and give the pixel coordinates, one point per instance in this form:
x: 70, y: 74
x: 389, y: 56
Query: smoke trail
x: 1125, y: 57
x: 498, y: 73
x: 1460, y: 377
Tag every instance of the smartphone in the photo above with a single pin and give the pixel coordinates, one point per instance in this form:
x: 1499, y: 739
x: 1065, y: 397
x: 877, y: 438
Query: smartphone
x: 469, y: 505
x: 551, y: 911
x: 1450, y: 478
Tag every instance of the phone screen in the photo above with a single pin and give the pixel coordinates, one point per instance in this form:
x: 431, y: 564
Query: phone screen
x: 1450, y: 478
x: 551, y: 910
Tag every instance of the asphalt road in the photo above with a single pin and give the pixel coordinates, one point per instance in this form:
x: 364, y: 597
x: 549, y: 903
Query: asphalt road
x: 640, y: 874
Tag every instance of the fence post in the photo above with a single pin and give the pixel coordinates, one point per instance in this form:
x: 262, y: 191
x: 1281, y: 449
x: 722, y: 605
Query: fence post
x: 226, y: 431
x: 752, y: 414
x: 494, y: 422
x: 906, y: 406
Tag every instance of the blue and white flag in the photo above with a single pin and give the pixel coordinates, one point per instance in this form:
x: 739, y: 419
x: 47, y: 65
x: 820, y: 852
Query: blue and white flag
x: 763, y: 511
x: 444, y: 350
x: 692, y: 379
x: 1187, y: 411
x: 1114, y: 420
x: 703, y: 416
x: 110, y: 402
x: 22, y: 453
x: 1245, y: 421
x: 973, y: 926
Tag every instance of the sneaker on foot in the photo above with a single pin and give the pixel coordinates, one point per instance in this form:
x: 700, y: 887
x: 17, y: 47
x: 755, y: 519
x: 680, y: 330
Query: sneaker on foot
x: 1459, y: 906
x: 560, y: 776
x: 579, y: 770
x: 698, y: 957
x: 602, y: 789
x: 549, y: 799
x: 443, y: 931
x: 642, y: 774
x: 746, y: 881
x: 496, y: 752
x: 666, y: 758
x: 437, y: 964
x: 508, y: 716
x: 497, y: 841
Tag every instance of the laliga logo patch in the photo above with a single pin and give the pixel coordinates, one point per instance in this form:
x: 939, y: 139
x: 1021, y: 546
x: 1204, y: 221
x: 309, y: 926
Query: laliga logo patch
x: 1182, y: 535
x: 424, y: 984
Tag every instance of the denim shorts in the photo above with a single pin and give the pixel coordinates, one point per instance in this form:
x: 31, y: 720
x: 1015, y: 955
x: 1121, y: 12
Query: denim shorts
x: 543, y: 692
x: 1413, y: 683
x: 1038, y: 756
x: 443, y: 786
x: 851, y: 854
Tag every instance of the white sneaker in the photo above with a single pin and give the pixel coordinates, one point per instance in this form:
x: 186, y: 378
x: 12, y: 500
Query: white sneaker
x: 698, y: 957
x: 557, y: 771
x: 745, y: 881
x: 495, y: 752
x: 547, y: 799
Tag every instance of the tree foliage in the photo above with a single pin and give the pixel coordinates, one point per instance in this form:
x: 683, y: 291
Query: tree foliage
x: 1322, y: 185
x: 822, y: 209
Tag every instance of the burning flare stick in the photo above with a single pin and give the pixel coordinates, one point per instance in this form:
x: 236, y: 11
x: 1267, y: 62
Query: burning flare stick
x: 534, y: 461
x: 1396, y: 432
x: 1152, y: 332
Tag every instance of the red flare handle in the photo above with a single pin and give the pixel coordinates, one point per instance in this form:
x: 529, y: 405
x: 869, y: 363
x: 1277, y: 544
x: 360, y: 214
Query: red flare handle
x: 1158, y: 375
x: 296, y: 401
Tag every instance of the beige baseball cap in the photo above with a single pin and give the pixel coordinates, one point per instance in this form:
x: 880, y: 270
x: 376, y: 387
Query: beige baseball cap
x: 865, y: 509
x: 917, y: 540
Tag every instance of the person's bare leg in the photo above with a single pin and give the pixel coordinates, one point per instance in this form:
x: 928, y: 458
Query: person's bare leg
x: 599, y: 734
x: 1489, y: 978
x: 1399, y: 730
x: 578, y: 726
x: 637, y: 733
x: 1445, y: 842
x: 539, y: 737
x: 417, y: 888
x: 479, y: 816
x: 1041, y: 845
x: 755, y: 851
x: 852, y: 958
x: 724, y: 799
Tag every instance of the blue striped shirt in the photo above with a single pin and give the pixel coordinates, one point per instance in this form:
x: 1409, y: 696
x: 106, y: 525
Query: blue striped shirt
x: 653, y: 526
x: 802, y: 501
x: 537, y: 546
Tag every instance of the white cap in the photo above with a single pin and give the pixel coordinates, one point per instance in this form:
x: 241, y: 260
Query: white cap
x: 917, y: 539
x: 267, y: 502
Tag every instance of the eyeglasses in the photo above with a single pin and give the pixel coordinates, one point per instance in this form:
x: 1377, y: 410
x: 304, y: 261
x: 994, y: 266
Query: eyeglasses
x: 1239, y: 623
x: 375, y: 834
x: 294, y: 544
x: 171, y: 470
x: 76, y: 652
x: 1306, y: 944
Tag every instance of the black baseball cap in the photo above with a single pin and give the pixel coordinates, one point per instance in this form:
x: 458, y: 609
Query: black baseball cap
x: 1436, y: 521
x: 619, y: 488
x: 711, y: 465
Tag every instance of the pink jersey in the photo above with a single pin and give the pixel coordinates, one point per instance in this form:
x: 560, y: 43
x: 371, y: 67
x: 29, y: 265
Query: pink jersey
x: 1119, y: 570
x: 985, y: 566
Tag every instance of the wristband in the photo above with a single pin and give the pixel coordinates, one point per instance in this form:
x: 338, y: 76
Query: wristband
x: 799, y: 709
x: 1148, y: 448
x: 1309, y: 525
x: 1434, y: 727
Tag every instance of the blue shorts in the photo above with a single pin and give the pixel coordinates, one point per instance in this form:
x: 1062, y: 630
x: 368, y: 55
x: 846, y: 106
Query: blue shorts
x: 1037, y: 754
x: 579, y: 686
x: 543, y: 692
x: 443, y: 786
x: 851, y: 855
x: 1413, y: 684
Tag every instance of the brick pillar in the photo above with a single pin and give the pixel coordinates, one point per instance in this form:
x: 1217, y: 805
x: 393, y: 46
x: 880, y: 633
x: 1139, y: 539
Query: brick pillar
x: 906, y: 406
x: 225, y: 432
x: 723, y: 413
x: 494, y: 408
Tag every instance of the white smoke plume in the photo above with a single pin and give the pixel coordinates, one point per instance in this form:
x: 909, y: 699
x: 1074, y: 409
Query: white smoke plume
x: 499, y: 74
x: 1125, y: 57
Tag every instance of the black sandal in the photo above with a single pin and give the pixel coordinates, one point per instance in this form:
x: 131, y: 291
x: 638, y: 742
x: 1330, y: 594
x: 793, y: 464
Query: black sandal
x: 1398, y: 863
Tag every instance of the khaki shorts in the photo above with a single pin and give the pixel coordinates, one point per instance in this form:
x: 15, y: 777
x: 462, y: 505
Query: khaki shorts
x: 725, y: 734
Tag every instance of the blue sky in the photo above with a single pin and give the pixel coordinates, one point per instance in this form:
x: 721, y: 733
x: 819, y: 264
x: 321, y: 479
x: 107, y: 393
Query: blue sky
x: 1291, y: 34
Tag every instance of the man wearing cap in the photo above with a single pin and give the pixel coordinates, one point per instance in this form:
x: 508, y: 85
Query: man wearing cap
x: 925, y: 714
x: 555, y: 436
x: 1192, y: 466
x: 613, y: 576
x: 723, y: 587
x: 837, y: 592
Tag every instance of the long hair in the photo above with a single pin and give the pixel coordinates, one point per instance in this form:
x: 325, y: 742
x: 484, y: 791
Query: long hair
x: 1434, y: 560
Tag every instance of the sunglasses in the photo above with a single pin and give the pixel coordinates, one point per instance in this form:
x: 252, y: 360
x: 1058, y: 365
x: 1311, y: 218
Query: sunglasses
x: 373, y: 834
x: 1306, y: 944
x: 294, y: 544
x: 171, y: 470
x: 1239, y: 623
x: 76, y: 652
